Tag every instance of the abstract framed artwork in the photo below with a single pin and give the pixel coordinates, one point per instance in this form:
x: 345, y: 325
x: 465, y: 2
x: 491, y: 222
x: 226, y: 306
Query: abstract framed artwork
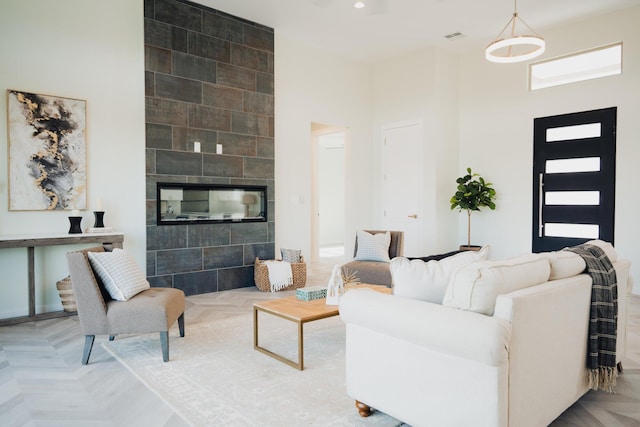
x: 47, y: 152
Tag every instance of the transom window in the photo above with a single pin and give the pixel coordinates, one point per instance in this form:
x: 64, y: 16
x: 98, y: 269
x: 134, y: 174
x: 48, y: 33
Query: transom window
x: 591, y: 64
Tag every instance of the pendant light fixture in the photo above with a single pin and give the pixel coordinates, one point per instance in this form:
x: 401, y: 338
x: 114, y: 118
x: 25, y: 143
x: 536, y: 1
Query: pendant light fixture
x: 517, y: 46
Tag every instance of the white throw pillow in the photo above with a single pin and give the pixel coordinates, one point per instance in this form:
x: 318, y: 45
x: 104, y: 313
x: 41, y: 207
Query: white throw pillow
x: 119, y: 273
x: 373, y: 247
x: 427, y: 281
x: 564, y: 264
x: 475, y: 287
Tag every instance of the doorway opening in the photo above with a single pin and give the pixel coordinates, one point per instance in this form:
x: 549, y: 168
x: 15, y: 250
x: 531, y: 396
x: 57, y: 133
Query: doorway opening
x: 328, y: 195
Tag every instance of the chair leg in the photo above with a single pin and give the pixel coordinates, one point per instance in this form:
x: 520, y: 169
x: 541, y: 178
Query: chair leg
x: 164, y: 343
x: 112, y: 337
x: 88, y: 345
x: 181, y: 324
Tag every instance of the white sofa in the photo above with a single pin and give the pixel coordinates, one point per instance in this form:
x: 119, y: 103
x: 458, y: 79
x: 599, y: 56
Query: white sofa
x: 520, y: 364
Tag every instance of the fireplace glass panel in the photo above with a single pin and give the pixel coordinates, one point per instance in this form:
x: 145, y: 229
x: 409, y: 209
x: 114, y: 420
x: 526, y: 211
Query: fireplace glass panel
x: 192, y: 203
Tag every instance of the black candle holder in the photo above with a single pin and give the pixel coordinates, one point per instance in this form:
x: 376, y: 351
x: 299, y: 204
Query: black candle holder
x: 75, y: 227
x: 99, y: 216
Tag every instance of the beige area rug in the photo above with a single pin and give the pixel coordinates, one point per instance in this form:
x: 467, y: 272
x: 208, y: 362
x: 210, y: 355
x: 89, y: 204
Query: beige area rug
x: 215, y: 377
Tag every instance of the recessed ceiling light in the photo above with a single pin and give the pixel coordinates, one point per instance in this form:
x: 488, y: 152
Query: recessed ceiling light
x: 359, y: 5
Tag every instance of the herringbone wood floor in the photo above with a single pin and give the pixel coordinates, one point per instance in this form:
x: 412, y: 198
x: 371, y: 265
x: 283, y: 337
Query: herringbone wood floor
x: 42, y: 382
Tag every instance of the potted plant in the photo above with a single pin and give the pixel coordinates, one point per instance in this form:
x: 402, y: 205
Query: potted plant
x: 472, y: 193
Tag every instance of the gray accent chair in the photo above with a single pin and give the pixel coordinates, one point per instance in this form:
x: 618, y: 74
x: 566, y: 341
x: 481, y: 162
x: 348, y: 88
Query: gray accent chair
x: 376, y: 272
x: 153, y: 310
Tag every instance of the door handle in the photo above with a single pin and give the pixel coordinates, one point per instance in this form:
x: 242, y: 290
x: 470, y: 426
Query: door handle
x: 414, y: 216
x: 540, y: 203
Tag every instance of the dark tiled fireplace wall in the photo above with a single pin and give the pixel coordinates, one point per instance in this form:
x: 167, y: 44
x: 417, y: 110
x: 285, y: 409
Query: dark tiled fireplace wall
x: 208, y: 78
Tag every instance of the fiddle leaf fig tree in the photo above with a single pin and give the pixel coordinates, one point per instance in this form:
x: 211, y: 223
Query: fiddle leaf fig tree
x: 472, y: 193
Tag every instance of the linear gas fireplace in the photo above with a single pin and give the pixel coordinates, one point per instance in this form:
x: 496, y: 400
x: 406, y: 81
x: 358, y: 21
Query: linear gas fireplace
x: 210, y: 203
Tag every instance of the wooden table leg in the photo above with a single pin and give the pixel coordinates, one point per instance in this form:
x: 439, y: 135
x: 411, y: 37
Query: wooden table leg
x: 300, y: 346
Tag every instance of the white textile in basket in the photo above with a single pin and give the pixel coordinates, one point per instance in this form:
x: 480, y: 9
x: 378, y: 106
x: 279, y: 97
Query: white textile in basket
x: 280, y: 274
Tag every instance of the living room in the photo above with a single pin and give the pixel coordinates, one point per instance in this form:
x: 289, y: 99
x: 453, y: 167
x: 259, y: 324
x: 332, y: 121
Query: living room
x: 475, y: 114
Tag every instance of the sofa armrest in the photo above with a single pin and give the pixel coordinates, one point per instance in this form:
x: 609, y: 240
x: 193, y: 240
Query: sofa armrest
x: 443, y: 329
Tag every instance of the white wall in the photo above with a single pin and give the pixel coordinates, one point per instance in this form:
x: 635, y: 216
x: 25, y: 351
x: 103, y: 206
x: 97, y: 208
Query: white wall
x: 496, y: 130
x: 84, y: 49
x: 423, y: 86
x: 313, y: 86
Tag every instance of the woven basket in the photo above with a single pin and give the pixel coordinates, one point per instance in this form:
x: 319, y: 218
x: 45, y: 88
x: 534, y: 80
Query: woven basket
x: 261, y: 275
x: 66, y: 295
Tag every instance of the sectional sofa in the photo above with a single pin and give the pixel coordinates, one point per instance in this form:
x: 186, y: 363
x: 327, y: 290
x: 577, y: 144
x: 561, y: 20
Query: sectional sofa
x: 500, y: 343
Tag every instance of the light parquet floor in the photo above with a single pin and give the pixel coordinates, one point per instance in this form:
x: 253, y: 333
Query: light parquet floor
x: 42, y: 382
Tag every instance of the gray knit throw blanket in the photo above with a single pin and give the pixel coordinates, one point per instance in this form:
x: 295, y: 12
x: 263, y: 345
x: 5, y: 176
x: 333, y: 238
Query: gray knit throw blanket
x: 601, y: 357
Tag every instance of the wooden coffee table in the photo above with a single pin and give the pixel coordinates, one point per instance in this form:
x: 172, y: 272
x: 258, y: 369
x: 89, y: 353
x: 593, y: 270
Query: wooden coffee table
x: 300, y: 312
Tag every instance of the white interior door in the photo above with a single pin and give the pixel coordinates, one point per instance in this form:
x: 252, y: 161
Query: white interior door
x: 402, y: 183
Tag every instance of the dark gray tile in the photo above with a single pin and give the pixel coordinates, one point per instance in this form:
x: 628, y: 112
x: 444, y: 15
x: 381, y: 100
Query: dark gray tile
x: 149, y: 83
x: 222, y: 27
x: 222, y: 165
x: 196, y: 283
x: 178, y: 14
x: 265, y: 147
x: 230, y: 75
x: 166, y: 237
x: 178, y: 261
x: 209, y: 118
x: 252, y: 232
x: 209, y: 47
x: 151, y: 213
x: 178, y: 88
x: 201, y: 235
x: 264, y: 83
x: 244, y: 123
x: 164, y: 111
x: 183, y: 139
x: 151, y: 187
x: 193, y: 67
x: 247, y: 57
x: 161, y: 281
x: 258, y: 38
x: 238, y: 145
x: 258, y: 250
x: 223, y: 97
x: 157, y: 59
x: 222, y: 257
x: 163, y: 35
x: 178, y: 163
x: 150, y: 161
x: 158, y: 136
x: 151, y: 263
x: 258, y: 168
x: 258, y: 103
x: 235, y: 278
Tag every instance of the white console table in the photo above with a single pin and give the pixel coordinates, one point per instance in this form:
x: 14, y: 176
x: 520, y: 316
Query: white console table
x: 32, y: 241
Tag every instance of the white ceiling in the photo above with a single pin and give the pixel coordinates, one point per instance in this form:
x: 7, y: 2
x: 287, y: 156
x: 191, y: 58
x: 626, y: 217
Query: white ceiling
x: 387, y: 28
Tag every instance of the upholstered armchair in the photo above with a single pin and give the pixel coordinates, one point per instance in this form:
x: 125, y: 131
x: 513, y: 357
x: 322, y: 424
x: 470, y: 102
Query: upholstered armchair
x: 151, y: 310
x: 375, y: 270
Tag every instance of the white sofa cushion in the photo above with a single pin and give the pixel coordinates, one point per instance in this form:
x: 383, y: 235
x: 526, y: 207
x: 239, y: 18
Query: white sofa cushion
x: 427, y: 281
x: 475, y: 287
x: 564, y: 264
